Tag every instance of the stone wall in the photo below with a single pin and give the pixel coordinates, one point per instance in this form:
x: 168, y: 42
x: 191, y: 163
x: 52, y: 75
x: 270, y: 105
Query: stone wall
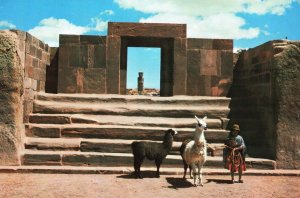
x: 82, y: 64
x: 37, y: 59
x: 23, y: 62
x: 287, y: 105
x: 98, y: 64
x: 12, y: 52
x: 52, y: 71
x: 265, y: 101
x: 210, y: 64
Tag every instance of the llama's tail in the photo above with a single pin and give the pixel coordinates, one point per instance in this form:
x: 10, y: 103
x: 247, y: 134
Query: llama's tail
x: 183, y: 145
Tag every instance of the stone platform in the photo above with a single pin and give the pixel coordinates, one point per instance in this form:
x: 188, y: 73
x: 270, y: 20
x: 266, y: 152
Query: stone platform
x: 89, y: 130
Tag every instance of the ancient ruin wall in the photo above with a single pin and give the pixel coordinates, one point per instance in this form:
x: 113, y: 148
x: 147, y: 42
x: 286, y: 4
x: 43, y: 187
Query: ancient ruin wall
x: 287, y: 105
x: 209, y: 66
x: 82, y: 64
x: 11, y: 92
x: 37, y: 59
x: 265, y: 81
x: 98, y: 64
x: 23, y: 62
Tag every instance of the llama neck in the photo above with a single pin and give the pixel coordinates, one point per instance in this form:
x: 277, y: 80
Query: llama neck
x: 168, y: 141
x: 199, y: 135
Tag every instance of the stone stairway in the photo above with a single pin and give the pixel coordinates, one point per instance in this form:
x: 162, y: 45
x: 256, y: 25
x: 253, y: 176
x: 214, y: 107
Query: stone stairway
x: 97, y: 130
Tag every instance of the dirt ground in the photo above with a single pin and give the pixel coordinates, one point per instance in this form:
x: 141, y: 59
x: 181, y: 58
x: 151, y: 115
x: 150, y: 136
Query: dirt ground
x: 114, y: 185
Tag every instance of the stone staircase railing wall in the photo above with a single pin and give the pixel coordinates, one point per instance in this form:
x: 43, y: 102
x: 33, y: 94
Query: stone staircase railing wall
x: 266, y: 101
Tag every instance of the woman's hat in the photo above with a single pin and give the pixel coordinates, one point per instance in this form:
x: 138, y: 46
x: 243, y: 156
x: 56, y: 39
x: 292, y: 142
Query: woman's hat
x: 235, y: 127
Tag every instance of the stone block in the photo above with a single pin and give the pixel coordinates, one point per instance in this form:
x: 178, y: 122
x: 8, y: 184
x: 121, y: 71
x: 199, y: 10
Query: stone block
x: 113, y: 65
x: 41, y: 86
x: 222, y: 44
x: 9, y: 142
x: 28, y: 60
x: 147, y: 30
x: 28, y: 38
x: 226, y: 63
x: 27, y: 47
x: 99, y: 56
x: 21, y: 34
x: 68, y: 39
x: 67, y: 82
x: 35, y: 42
x: 36, y: 73
x: 39, y: 53
x: 49, y: 119
x: 180, y: 66
x: 123, y: 83
x: 28, y: 94
x: 193, y: 59
x: 11, y: 90
x: 35, y: 62
x: 42, y: 65
x: 91, y: 56
x: 74, y: 57
x: 32, y: 50
x: 195, y: 43
x: 50, y: 132
x: 27, y: 109
x: 29, y: 72
x: 210, y: 62
x: 42, y: 159
x: 84, y: 56
x: 92, y: 40
x: 42, y: 45
x: 64, y: 53
x: 205, y: 85
x: 94, y: 81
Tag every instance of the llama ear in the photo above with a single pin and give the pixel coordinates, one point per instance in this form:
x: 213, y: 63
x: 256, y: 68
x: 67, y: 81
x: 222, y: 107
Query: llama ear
x: 196, y: 117
x: 204, y: 118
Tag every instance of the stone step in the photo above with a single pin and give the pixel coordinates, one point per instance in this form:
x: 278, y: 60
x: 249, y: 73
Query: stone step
x: 77, y: 158
x: 129, y: 99
x: 132, y: 109
x: 117, y: 132
x: 100, y: 145
x: 124, y: 120
x: 129, y: 170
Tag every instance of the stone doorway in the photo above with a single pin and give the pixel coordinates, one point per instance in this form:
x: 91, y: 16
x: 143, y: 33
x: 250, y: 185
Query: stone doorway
x: 143, y: 71
x: 166, y: 65
x: 170, y: 38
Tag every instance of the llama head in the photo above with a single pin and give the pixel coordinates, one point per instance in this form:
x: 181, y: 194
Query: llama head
x: 201, y: 122
x: 171, y: 131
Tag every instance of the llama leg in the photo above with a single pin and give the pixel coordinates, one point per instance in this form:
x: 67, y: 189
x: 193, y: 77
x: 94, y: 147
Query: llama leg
x: 194, y: 173
x: 158, y: 163
x: 185, y: 166
x: 191, y: 176
x: 137, y: 166
x: 200, y: 174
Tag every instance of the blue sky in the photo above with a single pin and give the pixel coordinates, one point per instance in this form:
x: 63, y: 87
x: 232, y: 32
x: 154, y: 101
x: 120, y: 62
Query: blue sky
x: 248, y: 22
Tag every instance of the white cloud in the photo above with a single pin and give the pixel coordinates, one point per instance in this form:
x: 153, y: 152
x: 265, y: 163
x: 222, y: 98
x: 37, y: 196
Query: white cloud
x: 205, y: 8
x: 214, y: 18
x: 98, y: 24
x: 6, y: 25
x: 49, y: 29
x: 216, y: 26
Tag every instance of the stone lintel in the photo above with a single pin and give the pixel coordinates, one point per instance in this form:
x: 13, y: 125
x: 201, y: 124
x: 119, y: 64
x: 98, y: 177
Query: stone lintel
x: 147, y: 29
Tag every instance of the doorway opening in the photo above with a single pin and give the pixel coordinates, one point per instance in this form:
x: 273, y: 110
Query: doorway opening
x: 143, y: 71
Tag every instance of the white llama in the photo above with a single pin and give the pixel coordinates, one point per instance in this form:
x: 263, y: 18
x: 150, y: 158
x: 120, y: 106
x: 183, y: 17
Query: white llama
x: 193, y: 152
